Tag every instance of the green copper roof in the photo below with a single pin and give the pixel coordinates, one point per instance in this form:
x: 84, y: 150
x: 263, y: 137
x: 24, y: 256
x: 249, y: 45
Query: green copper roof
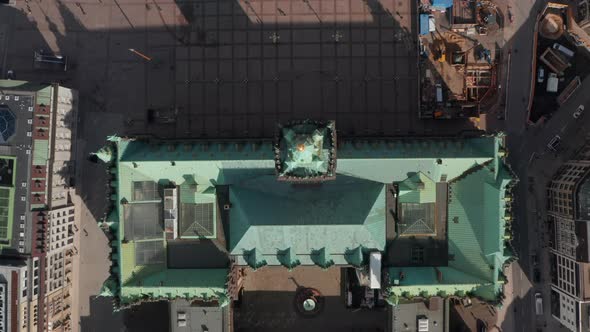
x: 43, y: 90
x: 40, y: 151
x: 417, y: 188
x: 44, y: 95
x: 417, y: 280
x: 322, y: 258
x: 474, y: 214
x: 355, y: 256
x: 172, y: 283
x: 253, y: 258
x: 475, y: 237
x: 306, y: 150
x: 288, y: 258
x: 337, y: 215
x: 479, y: 200
x: 335, y: 222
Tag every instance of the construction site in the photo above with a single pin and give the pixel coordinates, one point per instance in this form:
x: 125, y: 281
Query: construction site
x: 561, y: 60
x: 459, y: 57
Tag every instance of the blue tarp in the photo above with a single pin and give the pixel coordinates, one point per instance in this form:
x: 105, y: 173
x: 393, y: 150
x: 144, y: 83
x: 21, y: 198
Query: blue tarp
x: 441, y: 4
x: 424, y: 24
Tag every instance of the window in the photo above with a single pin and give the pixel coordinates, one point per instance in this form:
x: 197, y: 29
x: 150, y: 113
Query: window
x: 417, y: 255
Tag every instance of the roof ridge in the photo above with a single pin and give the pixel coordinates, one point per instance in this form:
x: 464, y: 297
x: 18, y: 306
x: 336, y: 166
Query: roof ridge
x: 474, y: 169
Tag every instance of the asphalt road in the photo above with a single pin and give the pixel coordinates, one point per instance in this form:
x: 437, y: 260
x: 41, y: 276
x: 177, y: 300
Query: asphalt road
x: 535, y: 165
x: 518, y: 88
x: 519, y: 48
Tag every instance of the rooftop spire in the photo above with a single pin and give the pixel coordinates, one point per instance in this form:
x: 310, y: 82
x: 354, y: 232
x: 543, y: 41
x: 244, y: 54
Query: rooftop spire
x: 106, y: 154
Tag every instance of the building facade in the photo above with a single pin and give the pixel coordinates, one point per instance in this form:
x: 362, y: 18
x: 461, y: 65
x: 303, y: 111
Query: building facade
x: 40, y: 224
x: 568, y: 197
x: 14, y: 292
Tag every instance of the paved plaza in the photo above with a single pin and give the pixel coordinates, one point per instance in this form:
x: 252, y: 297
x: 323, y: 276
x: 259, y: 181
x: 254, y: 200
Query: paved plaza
x: 232, y: 68
x: 268, y: 302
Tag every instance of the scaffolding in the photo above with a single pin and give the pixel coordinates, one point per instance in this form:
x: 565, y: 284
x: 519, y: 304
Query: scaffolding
x: 478, y: 81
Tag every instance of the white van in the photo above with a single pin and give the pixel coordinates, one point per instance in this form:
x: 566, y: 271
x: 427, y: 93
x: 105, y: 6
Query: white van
x: 566, y: 51
x: 539, y: 304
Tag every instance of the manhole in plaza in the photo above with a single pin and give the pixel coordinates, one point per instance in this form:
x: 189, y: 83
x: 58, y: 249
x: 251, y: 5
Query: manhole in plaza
x: 308, y: 302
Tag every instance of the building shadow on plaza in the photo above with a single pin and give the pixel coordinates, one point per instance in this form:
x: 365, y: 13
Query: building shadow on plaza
x: 152, y: 316
x: 274, y: 311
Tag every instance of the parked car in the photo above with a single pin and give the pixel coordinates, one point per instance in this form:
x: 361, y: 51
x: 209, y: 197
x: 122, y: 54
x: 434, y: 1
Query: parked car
x: 540, y: 74
x: 539, y: 304
x: 554, y: 143
x: 579, y: 111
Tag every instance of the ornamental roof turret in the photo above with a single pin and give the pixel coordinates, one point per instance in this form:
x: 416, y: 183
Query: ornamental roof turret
x: 305, y: 151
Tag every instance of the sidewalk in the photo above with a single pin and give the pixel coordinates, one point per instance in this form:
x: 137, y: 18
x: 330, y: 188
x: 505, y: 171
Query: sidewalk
x: 91, y: 265
x: 505, y: 319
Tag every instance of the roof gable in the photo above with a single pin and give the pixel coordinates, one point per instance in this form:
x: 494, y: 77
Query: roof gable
x: 338, y: 215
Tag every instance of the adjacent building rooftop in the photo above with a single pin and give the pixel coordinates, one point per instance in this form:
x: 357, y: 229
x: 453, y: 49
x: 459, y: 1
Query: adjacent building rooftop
x: 18, y: 103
